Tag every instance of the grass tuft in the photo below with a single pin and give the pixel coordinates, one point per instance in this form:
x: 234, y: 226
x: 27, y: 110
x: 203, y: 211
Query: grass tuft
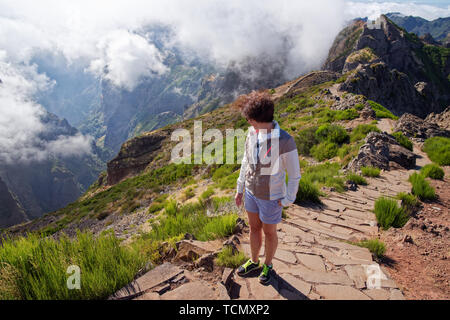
x: 421, y: 188
x: 226, y: 258
x: 432, y: 171
x: 370, y: 172
x: 438, y: 150
x: 377, y: 247
x: 389, y: 213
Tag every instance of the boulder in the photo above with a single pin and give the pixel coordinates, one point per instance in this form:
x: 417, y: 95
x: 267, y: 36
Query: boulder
x: 379, y: 150
x: 415, y: 127
x: 368, y: 113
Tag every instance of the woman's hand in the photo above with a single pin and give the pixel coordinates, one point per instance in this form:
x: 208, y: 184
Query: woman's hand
x: 238, y: 199
x: 279, y: 203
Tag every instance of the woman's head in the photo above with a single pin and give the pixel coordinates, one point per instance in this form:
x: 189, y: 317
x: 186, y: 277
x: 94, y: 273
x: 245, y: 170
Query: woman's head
x: 256, y: 106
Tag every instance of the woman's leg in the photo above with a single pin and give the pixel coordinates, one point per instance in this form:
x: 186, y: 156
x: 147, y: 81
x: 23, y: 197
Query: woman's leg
x: 255, y: 234
x: 271, y: 242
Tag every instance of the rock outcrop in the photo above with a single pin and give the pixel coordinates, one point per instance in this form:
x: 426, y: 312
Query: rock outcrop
x: 379, y: 151
x: 135, y: 155
x: 441, y: 119
x: 386, y: 64
x: 415, y: 127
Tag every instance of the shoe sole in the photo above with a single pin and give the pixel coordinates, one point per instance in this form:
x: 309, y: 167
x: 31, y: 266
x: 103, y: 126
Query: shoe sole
x: 264, y: 282
x: 245, y: 273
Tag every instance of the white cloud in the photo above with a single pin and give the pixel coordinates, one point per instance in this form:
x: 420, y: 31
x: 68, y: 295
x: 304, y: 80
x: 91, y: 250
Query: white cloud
x: 20, y: 118
x: 373, y: 9
x: 128, y: 58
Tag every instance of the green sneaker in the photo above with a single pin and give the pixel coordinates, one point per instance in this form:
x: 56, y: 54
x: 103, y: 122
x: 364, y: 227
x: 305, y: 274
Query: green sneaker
x: 265, y: 275
x: 247, y: 267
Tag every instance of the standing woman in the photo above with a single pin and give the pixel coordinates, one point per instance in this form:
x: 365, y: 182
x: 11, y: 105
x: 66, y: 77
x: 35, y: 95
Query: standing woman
x: 270, y: 153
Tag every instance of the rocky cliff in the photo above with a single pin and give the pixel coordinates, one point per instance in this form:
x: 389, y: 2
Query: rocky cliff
x: 387, y: 64
x: 10, y: 211
x: 43, y: 186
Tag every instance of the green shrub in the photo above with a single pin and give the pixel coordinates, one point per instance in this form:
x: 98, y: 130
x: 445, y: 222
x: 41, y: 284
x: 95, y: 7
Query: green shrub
x: 381, y: 112
x: 357, y: 179
x: 410, y: 203
x: 432, y: 171
x: 332, y: 133
x: 226, y: 258
x: 36, y: 268
x: 361, y: 131
x: 421, y: 188
x: 370, y: 172
x: 207, y: 193
x: 305, y: 140
x: 307, y: 191
x: 192, y: 218
x: 389, y: 214
x: 377, y: 247
x: 438, y: 150
x: 403, y: 140
x: 324, y: 151
x: 348, y: 114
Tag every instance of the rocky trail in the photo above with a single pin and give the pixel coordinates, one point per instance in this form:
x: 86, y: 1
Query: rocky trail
x: 314, y: 259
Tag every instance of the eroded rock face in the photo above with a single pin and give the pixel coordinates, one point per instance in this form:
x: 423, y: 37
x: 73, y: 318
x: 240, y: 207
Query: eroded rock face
x: 441, y: 119
x: 379, y: 150
x: 415, y: 127
x: 135, y: 155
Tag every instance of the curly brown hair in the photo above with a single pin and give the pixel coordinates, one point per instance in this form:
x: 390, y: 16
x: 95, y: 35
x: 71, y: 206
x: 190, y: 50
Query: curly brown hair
x: 257, y: 106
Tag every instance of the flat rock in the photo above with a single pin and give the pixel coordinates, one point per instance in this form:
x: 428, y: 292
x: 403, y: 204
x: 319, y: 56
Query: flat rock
x: 286, y: 256
x: 298, y: 284
x: 338, y: 292
x: 154, y: 277
x: 149, y: 296
x: 191, y: 291
x: 312, y: 262
x: 377, y: 294
x: 396, y: 294
x: 326, y: 277
x: 262, y: 292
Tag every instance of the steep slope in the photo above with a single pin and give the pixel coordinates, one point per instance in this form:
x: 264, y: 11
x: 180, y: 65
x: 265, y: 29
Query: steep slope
x: 387, y: 64
x: 44, y: 186
x: 10, y: 211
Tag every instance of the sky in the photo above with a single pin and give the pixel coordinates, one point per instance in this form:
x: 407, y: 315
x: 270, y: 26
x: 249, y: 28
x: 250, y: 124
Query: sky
x: 112, y: 32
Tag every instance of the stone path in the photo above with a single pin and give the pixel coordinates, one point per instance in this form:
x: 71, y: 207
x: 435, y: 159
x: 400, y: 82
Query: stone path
x: 314, y: 259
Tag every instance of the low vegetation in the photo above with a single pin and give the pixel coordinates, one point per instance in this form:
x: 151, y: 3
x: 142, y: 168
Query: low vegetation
x: 380, y: 111
x: 403, y: 140
x: 432, y: 171
x: 410, y: 203
x: 389, y: 213
x: 35, y: 268
x: 438, y: 150
x: 370, y: 172
x: 375, y: 246
x: 308, y: 191
x: 421, y: 188
x: 356, y: 179
x: 228, y: 258
x: 362, y: 130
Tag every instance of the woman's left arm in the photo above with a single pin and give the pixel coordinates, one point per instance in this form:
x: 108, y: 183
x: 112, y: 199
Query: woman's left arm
x: 291, y: 164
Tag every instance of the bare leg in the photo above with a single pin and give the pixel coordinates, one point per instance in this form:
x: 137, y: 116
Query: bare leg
x: 255, y: 235
x: 271, y: 242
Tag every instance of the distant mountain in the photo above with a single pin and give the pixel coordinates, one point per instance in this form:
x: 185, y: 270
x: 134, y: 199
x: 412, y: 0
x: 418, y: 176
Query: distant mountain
x: 30, y: 189
x: 387, y: 64
x: 439, y: 28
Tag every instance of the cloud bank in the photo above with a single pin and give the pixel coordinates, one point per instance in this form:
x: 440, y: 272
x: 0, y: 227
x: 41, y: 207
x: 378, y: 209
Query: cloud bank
x: 111, y: 39
x: 20, y: 118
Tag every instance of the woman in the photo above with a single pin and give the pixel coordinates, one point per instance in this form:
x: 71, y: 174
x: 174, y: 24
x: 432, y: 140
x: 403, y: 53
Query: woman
x: 270, y: 153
